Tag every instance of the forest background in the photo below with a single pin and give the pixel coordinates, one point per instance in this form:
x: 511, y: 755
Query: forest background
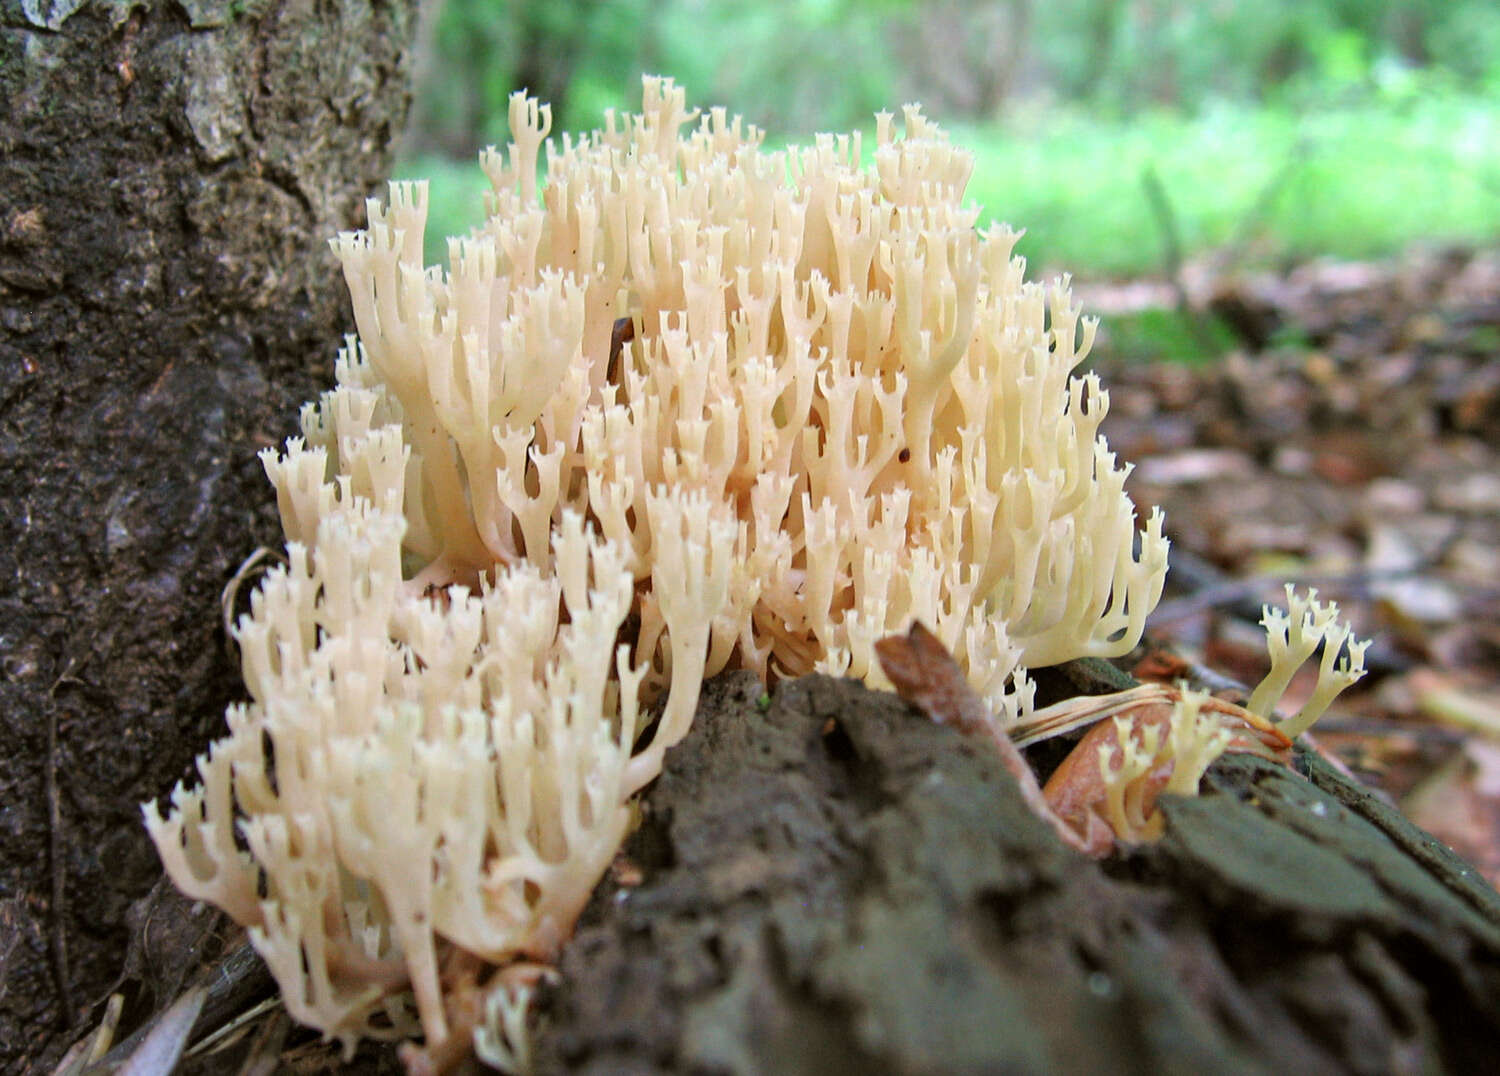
x: 1282, y: 128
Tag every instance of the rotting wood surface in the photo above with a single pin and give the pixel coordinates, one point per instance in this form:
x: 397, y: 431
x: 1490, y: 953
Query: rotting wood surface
x: 834, y: 884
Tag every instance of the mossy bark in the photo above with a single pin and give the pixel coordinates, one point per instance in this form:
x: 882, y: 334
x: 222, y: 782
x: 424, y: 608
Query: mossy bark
x: 835, y: 884
x: 169, y: 175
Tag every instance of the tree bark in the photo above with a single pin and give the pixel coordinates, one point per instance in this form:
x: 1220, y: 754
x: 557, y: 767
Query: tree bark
x: 169, y: 175
x: 831, y: 883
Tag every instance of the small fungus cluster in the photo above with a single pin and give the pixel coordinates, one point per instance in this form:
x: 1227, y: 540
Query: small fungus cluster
x: 1141, y: 742
x: 686, y: 405
x: 1159, y: 738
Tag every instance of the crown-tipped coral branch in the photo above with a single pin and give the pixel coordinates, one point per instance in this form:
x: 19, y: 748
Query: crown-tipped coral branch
x: 1292, y: 637
x: 1164, y: 745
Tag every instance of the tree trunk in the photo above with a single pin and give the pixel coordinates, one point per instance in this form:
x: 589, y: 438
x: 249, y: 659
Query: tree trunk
x: 169, y: 174
x: 831, y: 883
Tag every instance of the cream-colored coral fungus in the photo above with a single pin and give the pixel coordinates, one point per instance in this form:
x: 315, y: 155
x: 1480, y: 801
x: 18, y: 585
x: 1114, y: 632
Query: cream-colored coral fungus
x: 839, y: 408
x: 1165, y: 737
x: 831, y: 354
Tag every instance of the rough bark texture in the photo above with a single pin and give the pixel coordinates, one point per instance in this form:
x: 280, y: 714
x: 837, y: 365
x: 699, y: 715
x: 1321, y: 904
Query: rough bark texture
x: 836, y: 885
x: 169, y: 173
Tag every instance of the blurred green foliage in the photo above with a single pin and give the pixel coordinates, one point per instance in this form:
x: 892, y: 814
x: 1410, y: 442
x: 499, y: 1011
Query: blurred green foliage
x: 1167, y: 333
x: 1272, y: 182
x: 803, y: 65
x: 1282, y: 127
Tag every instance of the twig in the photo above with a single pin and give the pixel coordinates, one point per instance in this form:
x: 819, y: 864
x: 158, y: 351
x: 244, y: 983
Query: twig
x: 927, y: 677
x: 74, y: 1059
x: 105, y: 1035
x: 90, y: 1048
x: 622, y: 333
x: 1377, y: 728
x: 57, y: 869
x: 12, y: 937
x: 237, y: 981
x: 265, y: 1052
x: 1186, y: 667
x: 219, y: 1034
x: 1233, y: 592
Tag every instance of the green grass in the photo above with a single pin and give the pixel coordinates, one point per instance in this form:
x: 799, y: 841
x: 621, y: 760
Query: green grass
x: 1354, y: 181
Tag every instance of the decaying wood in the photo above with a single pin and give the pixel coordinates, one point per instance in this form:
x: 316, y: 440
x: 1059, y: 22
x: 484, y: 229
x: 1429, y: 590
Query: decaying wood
x: 838, y: 884
x: 925, y: 675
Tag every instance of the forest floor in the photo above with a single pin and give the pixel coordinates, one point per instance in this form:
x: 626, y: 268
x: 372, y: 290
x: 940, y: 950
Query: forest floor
x: 1352, y: 443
